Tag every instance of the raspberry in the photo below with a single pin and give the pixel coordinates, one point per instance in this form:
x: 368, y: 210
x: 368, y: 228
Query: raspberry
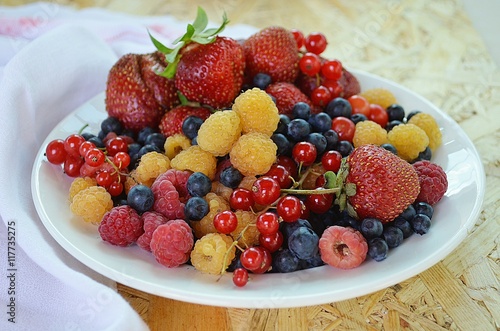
x: 257, y: 111
x: 342, y: 247
x: 287, y: 95
x: 91, y: 204
x: 196, y: 160
x: 151, y: 221
x: 175, y: 144
x: 369, y: 132
x: 167, y: 199
x: 379, y: 96
x: 433, y: 182
x: 204, y: 226
x: 172, y: 242
x: 209, y: 253
x: 152, y: 165
x: 121, y: 226
x: 427, y: 123
x: 222, y: 190
x: 179, y: 178
x: 251, y: 235
x: 219, y: 132
x: 409, y: 140
x: 80, y: 184
x: 253, y: 154
x: 131, y: 181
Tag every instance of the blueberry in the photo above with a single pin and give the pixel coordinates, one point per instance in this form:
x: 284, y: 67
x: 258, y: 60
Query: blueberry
x: 320, y: 122
x: 101, y: 135
x: 332, y: 139
x: 198, y: 184
x: 377, y: 249
x: 424, y: 208
x: 111, y: 124
x: 392, y: 124
x: 339, y: 107
x: 129, y: 133
x: 141, y: 198
x: 312, y: 262
x: 426, y: 154
x: 87, y: 135
x: 404, y: 226
x: 287, y: 228
x: 156, y: 139
x: 146, y: 149
x: 303, y: 242
x: 301, y: 110
x: 283, y: 144
x: 396, y: 112
x: 408, y: 213
x: 134, y: 148
x: 393, y: 236
x: 144, y: 133
x: 194, y: 141
x: 236, y: 263
x: 97, y: 142
x: 230, y: 177
x: 319, y: 141
x: 356, y: 118
x: 411, y: 114
x: 344, y: 148
x: 390, y: 148
x: 421, y: 224
x: 191, y: 125
x: 196, y: 208
x: 371, y: 228
x: 262, y: 80
x: 350, y: 221
x: 285, y: 261
x: 283, y: 124
x: 298, y: 129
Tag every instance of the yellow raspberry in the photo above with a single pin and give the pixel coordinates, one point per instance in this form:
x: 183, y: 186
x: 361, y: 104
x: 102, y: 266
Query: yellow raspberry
x: 91, y: 204
x: 216, y: 204
x: 222, y: 190
x: 369, y: 132
x: 151, y: 165
x: 428, y: 123
x: 175, y: 144
x: 197, y: 160
x: 213, y: 253
x: 247, y: 182
x: 80, y: 184
x: 379, y: 96
x: 219, y: 132
x: 253, y: 154
x: 131, y: 181
x: 246, y: 237
x: 257, y: 111
x: 409, y: 140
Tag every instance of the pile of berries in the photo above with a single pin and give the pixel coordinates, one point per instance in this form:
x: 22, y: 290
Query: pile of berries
x: 301, y: 169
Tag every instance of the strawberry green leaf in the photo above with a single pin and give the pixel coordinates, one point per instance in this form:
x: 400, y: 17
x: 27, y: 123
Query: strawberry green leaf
x: 182, y: 98
x: 201, y: 20
x: 331, y: 179
x: 170, y: 70
x: 215, y: 31
x: 190, y: 31
x: 159, y: 46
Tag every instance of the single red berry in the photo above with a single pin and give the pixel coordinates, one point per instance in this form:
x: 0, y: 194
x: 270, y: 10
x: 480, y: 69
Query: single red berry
x: 281, y: 175
x: 252, y: 258
x: 310, y: 64
x: 289, y: 208
x: 359, y: 105
x: 378, y: 115
x: 121, y: 160
x: 225, y: 222
x: 241, y: 199
x: 319, y: 203
x: 55, y: 152
x: 332, y: 69
x: 320, y: 181
x: 289, y: 164
x: 265, y: 190
x: 266, y: 262
x: 115, y: 189
x: 321, y: 96
x: 344, y: 127
x: 104, y: 178
x: 334, y: 87
x: 299, y: 38
x: 267, y: 223
x: 272, y: 242
x: 116, y: 145
x: 316, y: 42
x: 85, y: 147
x: 95, y: 157
x: 331, y: 161
x: 304, y: 152
x: 72, y: 144
x: 72, y: 165
x: 240, y: 277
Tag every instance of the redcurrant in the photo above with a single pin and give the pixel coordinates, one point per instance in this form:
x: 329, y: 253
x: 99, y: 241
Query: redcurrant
x: 289, y: 208
x: 281, y: 175
x: 267, y: 223
x: 378, y: 115
x: 240, y: 277
x: 331, y: 161
x: 265, y: 190
x: 225, y: 222
x: 95, y: 157
x: 359, y: 105
x: 344, y: 127
x: 316, y: 42
x: 55, y: 152
x: 242, y: 199
x: 252, y: 258
x: 304, y: 152
x: 321, y: 96
x: 332, y: 69
x: 272, y: 242
x: 310, y: 64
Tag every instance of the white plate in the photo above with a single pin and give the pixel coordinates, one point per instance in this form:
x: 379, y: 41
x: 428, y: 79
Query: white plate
x: 454, y: 217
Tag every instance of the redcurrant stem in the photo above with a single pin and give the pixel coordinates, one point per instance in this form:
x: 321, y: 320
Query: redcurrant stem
x: 304, y: 192
x: 117, y: 170
x: 83, y: 128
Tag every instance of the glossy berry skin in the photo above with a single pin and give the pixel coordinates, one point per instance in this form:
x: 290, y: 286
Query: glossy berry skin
x: 196, y: 208
x: 240, y: 277
x: 304, y: 152
x: 319, y: 203
x: 198, y: 184
x: 395, y: 112
x: 285, y: 261
x: 191, y: 125
x: 225, y: 222
x: 252, y: 258
x: 378, y: 115
x: 111, y: 124
x: 303, y: 243
x: 281, y: 175
x: 55, y: 152
x: 116, y: 145
x: 266, y: 260
x: 72, y: 165
x: 72, y: 144
x: 230, y: 177
x: 289, y: 208
x: 267, y: 223
x: 301, y: 110
x: 289, y: 165
x: 265, y: 190
x: 371, y: 228
x: 299, y: 37
x: 339, y: 107
x: 332, y: 69
x: 344, y: 127
x: 241, y: 199
x: 359, y: 105
x: 121, y: 160
x: 320, y: 122
x: 298, y: 129
x: 331, y: 161
x: 332, y: 139
x: 321, y: 96
x: 393, y: 236
x: 310, y: 64
x: 141, y: 198
x: 424, y: 208
x: 345, y: 148
x: 85, y: 147
x: 316, y: 42
x: 378, y: 249
x: 272, y: 242
x: 319, y: 141
x: 421, y: 224
x: 284, y: 145
x: 404, y: 226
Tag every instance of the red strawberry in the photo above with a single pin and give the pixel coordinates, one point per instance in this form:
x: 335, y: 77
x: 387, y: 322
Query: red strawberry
x: 287, y: 95
x: 211, y: 74
x: 135, y: 94
x: 385, y: 185
x: 433, y: 181
x: 273, y: 51
x: 171, y: 122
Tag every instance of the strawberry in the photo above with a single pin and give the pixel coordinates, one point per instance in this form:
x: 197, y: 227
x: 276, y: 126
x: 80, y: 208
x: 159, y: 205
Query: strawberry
x: 273, y: 51
x: 379, y: 184
x: 171, y: 122
x: 135, y: 94
x: 287, y: 95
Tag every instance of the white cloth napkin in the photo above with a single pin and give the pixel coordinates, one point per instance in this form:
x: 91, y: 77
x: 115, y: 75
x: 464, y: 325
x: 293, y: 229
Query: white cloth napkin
x: 53, y: 59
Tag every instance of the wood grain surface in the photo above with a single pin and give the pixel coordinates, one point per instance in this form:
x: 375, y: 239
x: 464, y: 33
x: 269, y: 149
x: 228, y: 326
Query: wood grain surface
x: 430, y: 47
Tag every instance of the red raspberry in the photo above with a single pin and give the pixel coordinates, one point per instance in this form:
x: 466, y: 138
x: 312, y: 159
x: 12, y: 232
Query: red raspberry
x: 172, y: 243
x: 342, y: 247
x: 179, y: 178
x: 170, y: 193
x: 433, y: 181
x: 151, y: 220
x: 121, y: 226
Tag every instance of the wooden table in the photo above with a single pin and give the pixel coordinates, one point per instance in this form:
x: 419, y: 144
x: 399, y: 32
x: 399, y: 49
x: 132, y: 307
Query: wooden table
x: 432, y: 48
